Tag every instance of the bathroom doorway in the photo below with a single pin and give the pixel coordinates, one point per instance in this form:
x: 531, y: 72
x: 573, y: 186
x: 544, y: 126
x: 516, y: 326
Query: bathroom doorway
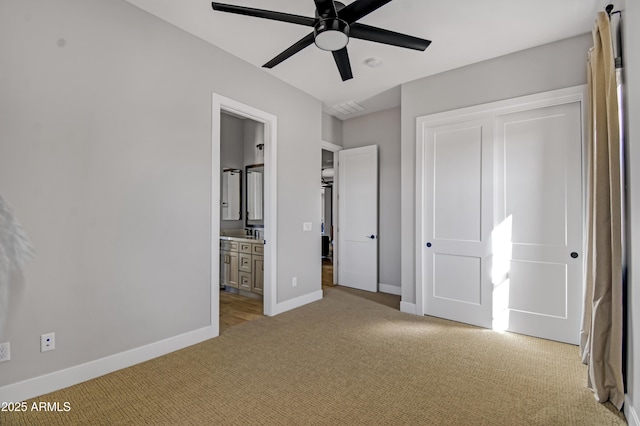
x: 249, y: 259
x: 241, y: 219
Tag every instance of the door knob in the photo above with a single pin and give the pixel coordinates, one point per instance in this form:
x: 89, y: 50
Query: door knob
x: 428, y: 244
x: 372, y: 237
x: 574, y: 254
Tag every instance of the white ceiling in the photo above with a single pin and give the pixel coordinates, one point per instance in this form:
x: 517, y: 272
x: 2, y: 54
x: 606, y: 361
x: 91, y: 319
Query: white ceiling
x: 462, y: 32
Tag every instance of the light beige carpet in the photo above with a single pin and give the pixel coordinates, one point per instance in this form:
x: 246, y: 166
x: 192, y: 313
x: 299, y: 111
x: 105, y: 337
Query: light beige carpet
x: 346, y: 360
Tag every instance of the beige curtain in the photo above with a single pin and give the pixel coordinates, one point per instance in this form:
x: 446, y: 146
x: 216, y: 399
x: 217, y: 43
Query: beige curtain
x: 601, y: 335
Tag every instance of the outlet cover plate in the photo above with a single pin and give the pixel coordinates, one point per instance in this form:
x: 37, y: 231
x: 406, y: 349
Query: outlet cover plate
x: 5, y: 352
x: 47, y: 342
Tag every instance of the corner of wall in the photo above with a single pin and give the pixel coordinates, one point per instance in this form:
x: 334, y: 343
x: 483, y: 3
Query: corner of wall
x: 331, y: 129
x: 390, y: 289
x: 408, y: 308
x: 297, y: 302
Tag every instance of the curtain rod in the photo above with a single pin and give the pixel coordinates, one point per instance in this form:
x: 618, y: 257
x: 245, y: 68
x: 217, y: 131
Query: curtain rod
x: 616, y: 35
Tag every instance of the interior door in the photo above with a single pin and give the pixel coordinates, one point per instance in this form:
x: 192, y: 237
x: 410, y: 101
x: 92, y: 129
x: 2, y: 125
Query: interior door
x: 538, y: 206
x: 457, y: 222
x: 358, y: 218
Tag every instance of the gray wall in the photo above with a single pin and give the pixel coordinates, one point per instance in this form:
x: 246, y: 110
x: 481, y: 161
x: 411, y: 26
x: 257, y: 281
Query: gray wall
x: 231, y: 142
x: 105, y: 156
x: 253, y: 135
x: 632, y: 70
x: 548, y: 67
x: 331, y: 129
x: 383, y: 129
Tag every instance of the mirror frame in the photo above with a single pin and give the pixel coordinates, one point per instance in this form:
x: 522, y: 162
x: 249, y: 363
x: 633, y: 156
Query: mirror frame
x: 252, y: 223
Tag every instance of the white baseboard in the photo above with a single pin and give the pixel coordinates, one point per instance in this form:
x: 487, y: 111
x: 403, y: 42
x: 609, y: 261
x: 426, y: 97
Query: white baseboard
x: 390, y: 289
x: 409, y: 308
x: 61, y: 379
x: 630, y: 413
x: 296, y: 302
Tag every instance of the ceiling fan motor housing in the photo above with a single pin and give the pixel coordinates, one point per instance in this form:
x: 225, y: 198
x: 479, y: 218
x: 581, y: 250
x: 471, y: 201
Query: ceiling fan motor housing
x: 331, y: 34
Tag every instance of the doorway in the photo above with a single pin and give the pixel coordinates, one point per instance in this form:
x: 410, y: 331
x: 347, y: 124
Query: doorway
x: 329, y: 213
x: 241, y: 220
x: 268, y: 130
x: 354, y: 215
x: 327, y: 227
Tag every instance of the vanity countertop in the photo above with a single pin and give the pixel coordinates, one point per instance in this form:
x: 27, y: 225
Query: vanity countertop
x: 246, y: 239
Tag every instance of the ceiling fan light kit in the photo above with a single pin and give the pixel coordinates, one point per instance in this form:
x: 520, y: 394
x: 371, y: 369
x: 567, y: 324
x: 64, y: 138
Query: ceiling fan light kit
x: 332, y: 26
x: 331, y: 34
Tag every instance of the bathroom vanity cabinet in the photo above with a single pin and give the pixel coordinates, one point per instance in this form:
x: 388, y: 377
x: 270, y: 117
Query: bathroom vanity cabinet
x: 242, y: 264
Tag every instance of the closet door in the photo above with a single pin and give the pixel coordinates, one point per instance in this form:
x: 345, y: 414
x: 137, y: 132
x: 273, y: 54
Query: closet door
x: 457, y: 221
x: 538, y: 220
x: 500, y: 215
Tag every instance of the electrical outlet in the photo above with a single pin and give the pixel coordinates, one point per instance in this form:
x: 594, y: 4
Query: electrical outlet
x: 5, y: 352
x: 47, y: 342
x: 294, y: 281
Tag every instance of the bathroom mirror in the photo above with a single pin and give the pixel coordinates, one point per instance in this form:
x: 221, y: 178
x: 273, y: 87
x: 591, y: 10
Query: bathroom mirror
x: 254, y: 195
x: 230, y: 194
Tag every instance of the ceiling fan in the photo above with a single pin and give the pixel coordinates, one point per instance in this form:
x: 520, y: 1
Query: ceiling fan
x: 332, y: 26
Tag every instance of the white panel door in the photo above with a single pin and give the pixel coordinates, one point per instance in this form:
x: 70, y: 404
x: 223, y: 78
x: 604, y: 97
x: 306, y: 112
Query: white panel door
x: 538, y: 218
x: 358, y: 218
x: 457, y: 221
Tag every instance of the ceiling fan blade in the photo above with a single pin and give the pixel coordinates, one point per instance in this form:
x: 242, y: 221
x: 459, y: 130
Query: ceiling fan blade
x: 295, y: 48
x: 378, y: 35
x: 360, y: 8
x: 342, y: 61
x: 326, y: 8
x: 266, y: 14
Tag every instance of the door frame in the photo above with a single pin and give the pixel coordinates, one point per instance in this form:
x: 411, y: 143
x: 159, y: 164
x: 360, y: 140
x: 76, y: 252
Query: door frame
x: 328, y: 146
x: 488, y: 110
x: 219, y: 104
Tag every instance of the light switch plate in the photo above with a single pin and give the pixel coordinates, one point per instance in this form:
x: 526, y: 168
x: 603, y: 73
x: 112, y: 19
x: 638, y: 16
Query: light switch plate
x: 306, y: 226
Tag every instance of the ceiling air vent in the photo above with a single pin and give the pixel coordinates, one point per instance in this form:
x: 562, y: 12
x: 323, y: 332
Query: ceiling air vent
x: 348, y: 107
